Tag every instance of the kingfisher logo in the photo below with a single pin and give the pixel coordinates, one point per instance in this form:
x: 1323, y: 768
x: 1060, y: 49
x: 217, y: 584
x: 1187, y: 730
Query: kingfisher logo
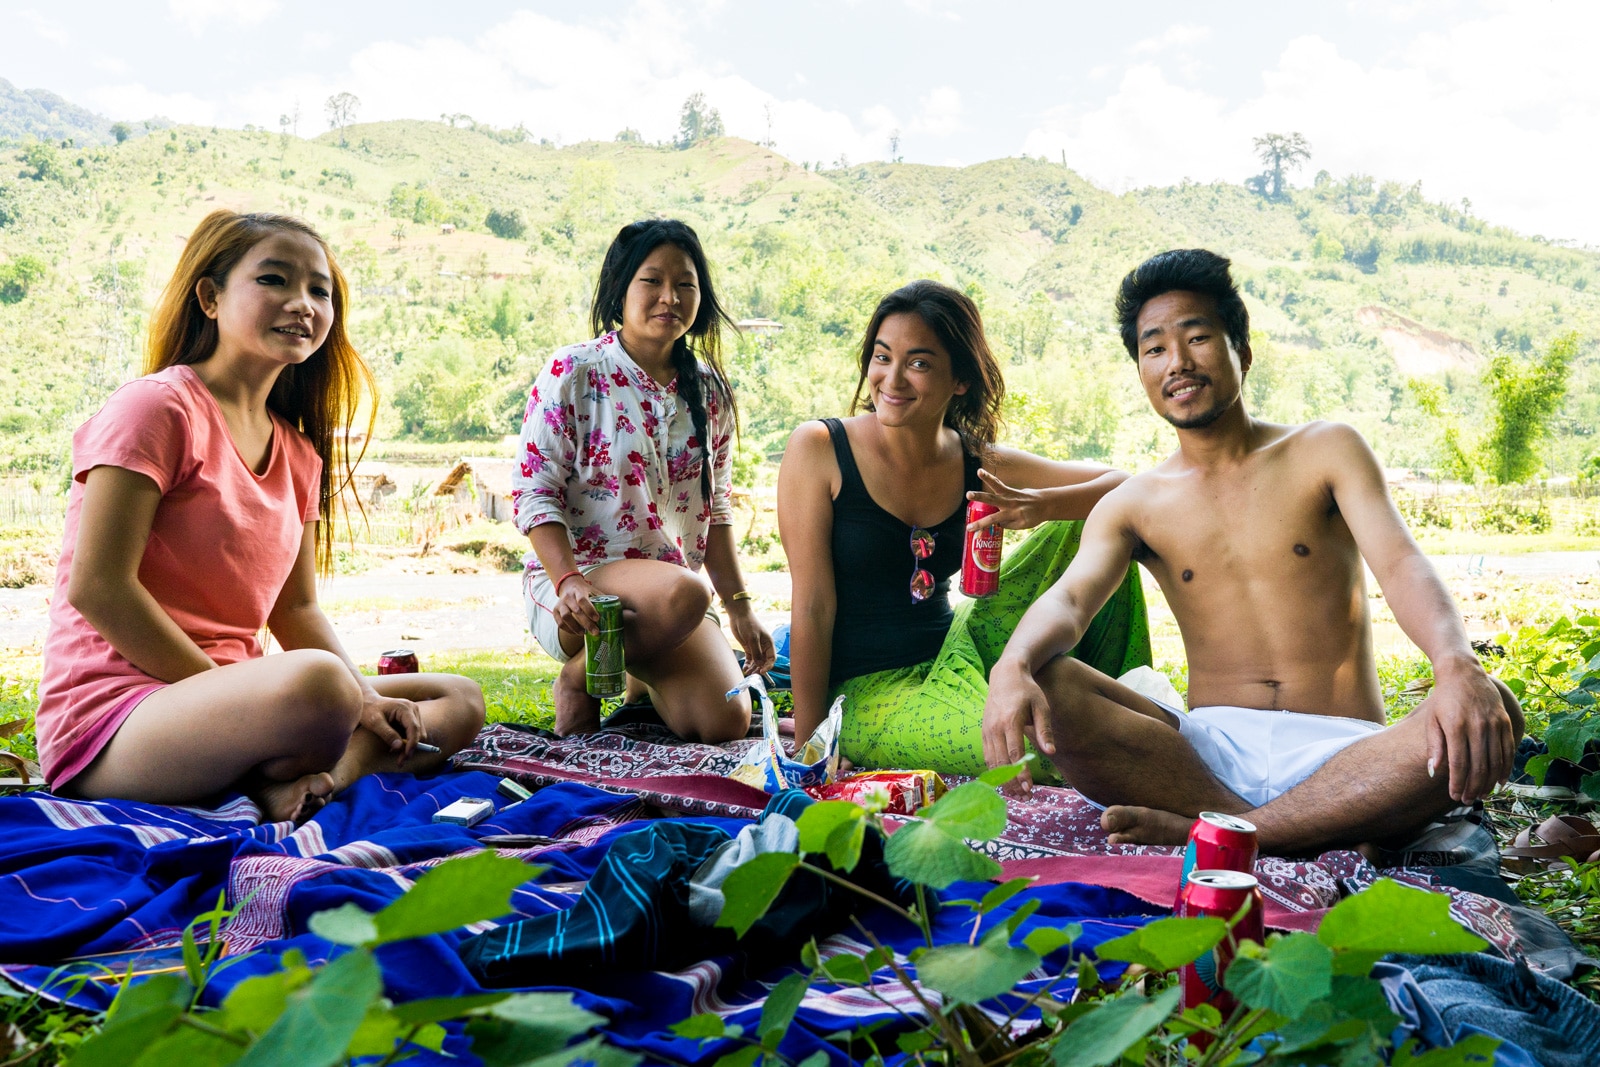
x: 986, y: 549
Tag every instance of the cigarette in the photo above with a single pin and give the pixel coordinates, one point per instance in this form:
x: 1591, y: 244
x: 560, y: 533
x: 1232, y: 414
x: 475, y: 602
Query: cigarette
x: 423, y: 746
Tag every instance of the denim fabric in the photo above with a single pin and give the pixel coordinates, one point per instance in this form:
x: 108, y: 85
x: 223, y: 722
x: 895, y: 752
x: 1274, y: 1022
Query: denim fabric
x: 1442, y: 999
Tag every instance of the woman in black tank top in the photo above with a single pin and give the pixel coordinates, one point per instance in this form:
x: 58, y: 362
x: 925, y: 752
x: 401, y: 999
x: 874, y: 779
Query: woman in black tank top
x: 872, y: 513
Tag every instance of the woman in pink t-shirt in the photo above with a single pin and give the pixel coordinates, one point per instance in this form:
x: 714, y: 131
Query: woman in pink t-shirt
x: 194, y: 522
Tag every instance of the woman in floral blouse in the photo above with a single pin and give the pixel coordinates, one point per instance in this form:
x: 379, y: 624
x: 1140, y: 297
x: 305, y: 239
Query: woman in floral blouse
x: 623, y: 487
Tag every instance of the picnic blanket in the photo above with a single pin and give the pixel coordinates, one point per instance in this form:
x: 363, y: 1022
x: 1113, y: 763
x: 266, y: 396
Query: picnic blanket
x: 79, y: 878
x: 1053, y: 834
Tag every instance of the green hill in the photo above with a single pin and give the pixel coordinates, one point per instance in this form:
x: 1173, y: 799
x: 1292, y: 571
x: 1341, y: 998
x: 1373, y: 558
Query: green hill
x: 1355, y: 287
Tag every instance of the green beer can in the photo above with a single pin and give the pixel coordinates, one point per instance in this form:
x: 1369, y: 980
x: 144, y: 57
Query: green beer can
x: 604, y: 672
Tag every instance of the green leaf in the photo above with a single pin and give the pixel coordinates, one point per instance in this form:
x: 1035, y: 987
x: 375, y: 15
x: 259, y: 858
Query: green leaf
x: 1100, y: 1037
x: 320, y: 1020
x: 846, y: 969
x: 973, y: 811
x: 348, y: 924
x: 782, y: 1003
x: 816, y: 1059
x: 1389, y: 917
x: 1018, y: 916
x: 999, y: 776
x: 189, y: 1047
x: 1166, y: 943
x: 144, y: 1012
x: 818, y: 822
x: 1590, y: 786
x: 744, y: 1057
x: 591, y: 1053
x: 377, y: 1034
x: 752, y: 887
x: 1002, y: 893
x: 255, y: 1003
x: 454, y: 894
x: 914, y: 1042
x: 1046, y: 939
x: 1566, y: 736
x: 924, y: 853
x: 700, y: 1027
x: 969, y: 974
x: 1538, y: 766
x: 1474, y: 1051
x: 844, y: 844
x: 440, y: 1009
x: 1517, y: 686
x: 1286, y: 977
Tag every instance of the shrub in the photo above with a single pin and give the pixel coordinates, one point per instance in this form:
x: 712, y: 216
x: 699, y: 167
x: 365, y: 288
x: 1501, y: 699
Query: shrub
x: 507, y: 224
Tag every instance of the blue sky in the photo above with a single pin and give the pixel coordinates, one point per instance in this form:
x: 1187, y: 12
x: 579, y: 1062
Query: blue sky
x: 1490, y: 101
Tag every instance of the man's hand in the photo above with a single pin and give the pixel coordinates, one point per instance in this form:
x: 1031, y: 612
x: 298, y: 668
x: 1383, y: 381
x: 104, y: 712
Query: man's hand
x: 1469, y: 731
x: 1016, y: 709
x: 394, y: 721
x: 759, y: 653
x: 1020, y: 509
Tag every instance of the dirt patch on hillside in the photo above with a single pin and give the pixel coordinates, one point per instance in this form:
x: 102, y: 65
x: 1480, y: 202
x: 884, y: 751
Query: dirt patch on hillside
x: 1417, y: 350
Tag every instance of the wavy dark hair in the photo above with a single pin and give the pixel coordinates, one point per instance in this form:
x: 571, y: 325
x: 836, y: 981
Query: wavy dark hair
x: 320, y: 397
x: 1193, y: 270
x: 957, y: 323
x: 629, y: 249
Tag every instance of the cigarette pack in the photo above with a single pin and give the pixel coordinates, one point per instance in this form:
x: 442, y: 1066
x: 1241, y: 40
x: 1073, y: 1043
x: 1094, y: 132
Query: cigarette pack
x: 512, y: 790
x: 465, y: 811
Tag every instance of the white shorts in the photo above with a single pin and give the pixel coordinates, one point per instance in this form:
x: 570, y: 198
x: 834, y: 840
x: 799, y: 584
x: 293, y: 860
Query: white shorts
x: 537, y: 593
x: 1261, y: 754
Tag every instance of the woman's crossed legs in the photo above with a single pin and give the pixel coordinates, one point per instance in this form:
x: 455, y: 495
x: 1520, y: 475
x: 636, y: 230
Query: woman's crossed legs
x: 283, y: 728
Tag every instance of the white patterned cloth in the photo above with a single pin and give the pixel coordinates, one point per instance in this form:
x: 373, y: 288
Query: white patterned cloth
x: 611, y: 454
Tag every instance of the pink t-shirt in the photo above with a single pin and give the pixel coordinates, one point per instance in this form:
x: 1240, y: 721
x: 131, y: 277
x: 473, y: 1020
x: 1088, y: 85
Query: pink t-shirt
x: 222, y: 544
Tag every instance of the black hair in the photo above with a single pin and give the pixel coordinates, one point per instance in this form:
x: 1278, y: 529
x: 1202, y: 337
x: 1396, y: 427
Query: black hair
x: 629, y: 249
x: 1194, y: 270
x: 957, y: 323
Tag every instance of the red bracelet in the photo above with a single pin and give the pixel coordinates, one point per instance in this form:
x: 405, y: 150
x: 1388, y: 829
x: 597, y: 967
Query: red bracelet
x: 557, y: 587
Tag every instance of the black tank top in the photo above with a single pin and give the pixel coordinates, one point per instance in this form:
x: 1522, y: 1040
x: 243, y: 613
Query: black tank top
x: 876, y: 624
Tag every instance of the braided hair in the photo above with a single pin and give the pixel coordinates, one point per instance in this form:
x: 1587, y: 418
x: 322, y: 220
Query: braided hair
x: 631, y: 247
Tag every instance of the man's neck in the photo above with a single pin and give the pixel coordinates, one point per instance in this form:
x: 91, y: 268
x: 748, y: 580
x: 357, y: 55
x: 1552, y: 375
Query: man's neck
x: 1225, y: 442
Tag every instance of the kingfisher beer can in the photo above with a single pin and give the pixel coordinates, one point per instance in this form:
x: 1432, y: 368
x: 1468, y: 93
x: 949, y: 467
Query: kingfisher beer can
x: 980, y: 560
x: 398, y: 661
x: 605, y: 674
x: 1220, y: 895
x: 1219, y: 842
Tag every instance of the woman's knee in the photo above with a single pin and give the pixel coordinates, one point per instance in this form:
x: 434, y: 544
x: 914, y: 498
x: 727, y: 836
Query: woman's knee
x: 321, y: 689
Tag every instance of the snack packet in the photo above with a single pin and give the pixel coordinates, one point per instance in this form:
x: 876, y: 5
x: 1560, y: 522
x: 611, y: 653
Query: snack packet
x: 766, y: 767
x: 903, y: 792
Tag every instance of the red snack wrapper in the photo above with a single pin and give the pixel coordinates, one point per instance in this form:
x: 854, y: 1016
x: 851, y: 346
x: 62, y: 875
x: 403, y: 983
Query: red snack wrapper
x: 906, y: 791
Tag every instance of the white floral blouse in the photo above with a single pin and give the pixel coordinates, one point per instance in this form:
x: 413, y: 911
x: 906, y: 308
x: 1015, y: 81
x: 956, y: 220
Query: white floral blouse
x: 612, y: 455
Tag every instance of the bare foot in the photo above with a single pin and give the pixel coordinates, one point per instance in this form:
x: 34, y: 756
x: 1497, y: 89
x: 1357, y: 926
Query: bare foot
x: 295, y: 801
x: 576, y: 711
x: 1128, y: 825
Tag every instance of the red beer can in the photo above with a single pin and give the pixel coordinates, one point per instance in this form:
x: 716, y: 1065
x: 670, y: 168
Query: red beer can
x: 1219, y: 842
x: 398, y: 661
x: 1221, y: 895
x: 980, y: 559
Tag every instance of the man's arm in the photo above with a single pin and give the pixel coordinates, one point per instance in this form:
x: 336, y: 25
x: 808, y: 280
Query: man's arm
x: 1469, y: 729
x: 1017, y: 707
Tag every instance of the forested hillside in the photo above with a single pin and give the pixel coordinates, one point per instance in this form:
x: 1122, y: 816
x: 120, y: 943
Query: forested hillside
x: 1357, y: 288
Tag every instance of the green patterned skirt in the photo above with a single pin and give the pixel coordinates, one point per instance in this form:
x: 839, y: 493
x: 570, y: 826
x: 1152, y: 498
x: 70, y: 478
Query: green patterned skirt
x: 930, y: 715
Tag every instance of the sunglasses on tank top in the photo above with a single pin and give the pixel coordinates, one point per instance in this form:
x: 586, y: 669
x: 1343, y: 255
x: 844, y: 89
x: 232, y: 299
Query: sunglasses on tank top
x: 921, y: 549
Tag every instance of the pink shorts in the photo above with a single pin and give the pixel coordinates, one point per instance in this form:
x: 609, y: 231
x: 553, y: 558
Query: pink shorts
x: 92, y: 741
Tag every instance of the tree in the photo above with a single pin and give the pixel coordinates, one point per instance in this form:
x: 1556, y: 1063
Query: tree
x: 894, y: 146
x: 341, y: 108
x: 1526, y: 398
x: 120, y: 131
x: 1279, y: 153
x: 506, y: 224
x: 629, y: 135
x: 698, y: 121
x: 18, y: 276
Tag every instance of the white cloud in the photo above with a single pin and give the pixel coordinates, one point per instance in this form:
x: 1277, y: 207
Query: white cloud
x: 939, y: 113
x: 136, y: 101
x: 1500, y: 109
x: 1181, y: 35
x: 196, y: 14
x: 46, y: 28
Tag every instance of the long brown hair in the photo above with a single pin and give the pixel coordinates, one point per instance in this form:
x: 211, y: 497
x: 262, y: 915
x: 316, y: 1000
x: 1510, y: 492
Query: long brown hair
x: 957, y: 323
x: 319, y: 397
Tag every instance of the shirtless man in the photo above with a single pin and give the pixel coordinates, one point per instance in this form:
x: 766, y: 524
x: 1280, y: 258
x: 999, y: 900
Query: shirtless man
x: 1256, y: 533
